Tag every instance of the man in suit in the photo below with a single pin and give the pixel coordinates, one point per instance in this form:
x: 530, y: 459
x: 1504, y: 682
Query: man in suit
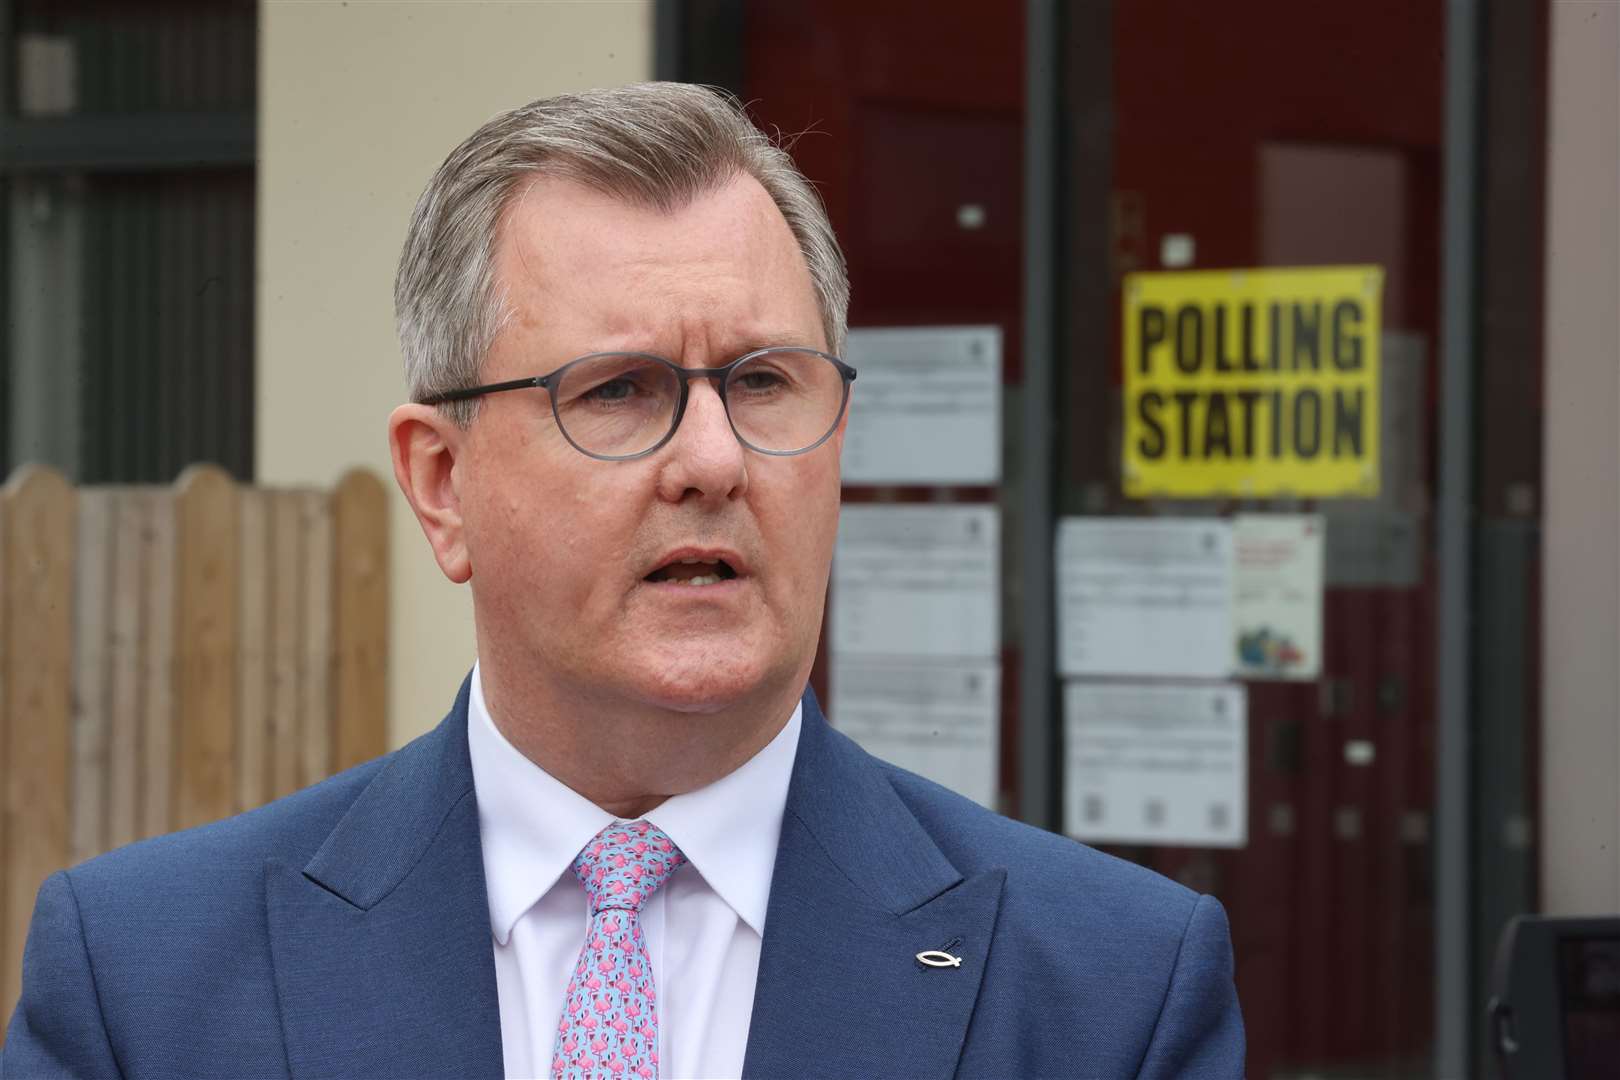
x: 633, y: 847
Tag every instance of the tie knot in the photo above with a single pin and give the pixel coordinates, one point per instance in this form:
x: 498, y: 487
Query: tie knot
x: 625, y: 864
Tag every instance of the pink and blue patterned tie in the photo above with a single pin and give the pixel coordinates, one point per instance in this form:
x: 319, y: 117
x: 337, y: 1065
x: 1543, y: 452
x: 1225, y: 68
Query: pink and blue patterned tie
x: 609, y: 1025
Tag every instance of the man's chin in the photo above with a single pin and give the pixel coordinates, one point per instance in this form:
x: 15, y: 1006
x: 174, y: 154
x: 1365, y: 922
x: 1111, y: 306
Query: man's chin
x: 700, y: 696
x: 701, y: 686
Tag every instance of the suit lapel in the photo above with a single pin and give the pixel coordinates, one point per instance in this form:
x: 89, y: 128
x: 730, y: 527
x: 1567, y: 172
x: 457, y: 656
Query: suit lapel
x: 384, y: 966
x: 859, y: 890
x: 381, y: 943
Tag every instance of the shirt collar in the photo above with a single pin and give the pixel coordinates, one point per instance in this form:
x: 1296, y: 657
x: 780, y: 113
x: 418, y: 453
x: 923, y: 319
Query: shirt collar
x: 532, y: 825
x: 730, y: 829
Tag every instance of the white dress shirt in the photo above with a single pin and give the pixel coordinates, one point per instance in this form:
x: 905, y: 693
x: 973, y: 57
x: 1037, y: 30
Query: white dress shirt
x: 703, y: 928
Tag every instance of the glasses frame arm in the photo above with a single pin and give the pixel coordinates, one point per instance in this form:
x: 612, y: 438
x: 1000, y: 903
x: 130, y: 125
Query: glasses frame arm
x: 470, y: 392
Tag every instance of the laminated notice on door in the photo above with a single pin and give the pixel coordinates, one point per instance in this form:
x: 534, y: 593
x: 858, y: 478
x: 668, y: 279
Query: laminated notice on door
x: 1145, y: 596
x: 1277, y: 595
x: 1156, y: 764
x: 940, y: 720
x: 926, y: 408
x: 917, y: 580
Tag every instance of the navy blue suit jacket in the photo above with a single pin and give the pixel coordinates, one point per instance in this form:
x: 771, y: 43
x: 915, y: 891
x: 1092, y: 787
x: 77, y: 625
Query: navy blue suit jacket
x: 344, y: 932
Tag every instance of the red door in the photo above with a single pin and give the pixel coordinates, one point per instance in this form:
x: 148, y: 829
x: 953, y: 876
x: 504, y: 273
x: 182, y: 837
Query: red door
x: 1270, y: 133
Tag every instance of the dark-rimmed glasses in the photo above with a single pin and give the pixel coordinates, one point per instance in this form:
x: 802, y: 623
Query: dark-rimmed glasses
x: 616, y: 406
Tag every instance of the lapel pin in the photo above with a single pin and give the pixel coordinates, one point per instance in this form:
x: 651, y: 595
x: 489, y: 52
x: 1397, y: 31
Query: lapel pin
x: 938, y: 958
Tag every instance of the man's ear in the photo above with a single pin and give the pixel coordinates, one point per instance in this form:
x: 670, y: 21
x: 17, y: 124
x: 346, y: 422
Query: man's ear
x: 424, y: 443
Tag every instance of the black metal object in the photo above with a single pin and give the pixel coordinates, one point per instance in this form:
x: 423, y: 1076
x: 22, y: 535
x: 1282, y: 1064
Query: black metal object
x: 1056, y: 38
x: 1506, y: 676
x: 159, y: 133
x: 700, y: 41
x: 1554, y: 1010
x: 129, y: 142
x: 1454, y: 541
x: 168, y: 350
x: 5, y: 322
x: 7, y: 107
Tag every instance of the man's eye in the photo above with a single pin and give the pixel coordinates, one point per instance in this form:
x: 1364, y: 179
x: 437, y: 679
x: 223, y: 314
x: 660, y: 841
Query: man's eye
x: 612, y: 390
x: 757, y: 381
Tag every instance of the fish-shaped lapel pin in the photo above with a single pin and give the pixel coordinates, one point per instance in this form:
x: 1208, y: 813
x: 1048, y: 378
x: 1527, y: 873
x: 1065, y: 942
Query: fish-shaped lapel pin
x: 938, y: 958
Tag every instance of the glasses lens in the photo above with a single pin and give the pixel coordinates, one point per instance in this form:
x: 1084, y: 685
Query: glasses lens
x: 615, y: 405
x: 785, y: 400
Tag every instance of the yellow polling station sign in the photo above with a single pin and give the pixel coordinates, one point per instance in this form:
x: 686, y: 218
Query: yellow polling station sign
x: 1252, y: 383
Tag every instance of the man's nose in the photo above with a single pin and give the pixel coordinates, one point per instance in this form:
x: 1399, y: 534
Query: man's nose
x: 703, y: 456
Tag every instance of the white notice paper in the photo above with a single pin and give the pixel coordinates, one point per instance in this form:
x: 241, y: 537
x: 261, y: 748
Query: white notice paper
x: 926, y: 407
x: 939, y: 720
x: 1277, y: 595
x: 1156, y: 764
x: 910, y: 580
x: 1145, y: 596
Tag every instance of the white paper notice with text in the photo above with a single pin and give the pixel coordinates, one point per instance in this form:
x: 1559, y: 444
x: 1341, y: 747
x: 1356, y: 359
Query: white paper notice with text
x: 925, y: 407
x: 1148, y: 764
x: 917, y: 580
x: 1144, y: 596
x: 936, y: 719
x: 1277, y: 595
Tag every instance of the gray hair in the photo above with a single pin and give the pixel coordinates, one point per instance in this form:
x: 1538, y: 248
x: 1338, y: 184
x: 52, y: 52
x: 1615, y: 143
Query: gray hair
x: 658, y: 145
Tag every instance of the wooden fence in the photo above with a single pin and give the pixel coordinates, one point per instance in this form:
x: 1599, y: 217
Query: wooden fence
x: 174, y: 655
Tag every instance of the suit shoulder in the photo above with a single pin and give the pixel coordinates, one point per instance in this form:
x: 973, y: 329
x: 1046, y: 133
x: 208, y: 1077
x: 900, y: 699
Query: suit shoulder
x: 1048, y: 871
x: 208, y: 859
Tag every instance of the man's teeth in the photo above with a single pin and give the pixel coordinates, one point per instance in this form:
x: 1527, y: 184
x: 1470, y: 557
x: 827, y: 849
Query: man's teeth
x: 704, y: 579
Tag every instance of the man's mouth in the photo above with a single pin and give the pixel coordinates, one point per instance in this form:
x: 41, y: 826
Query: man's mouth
x: 698, y: 572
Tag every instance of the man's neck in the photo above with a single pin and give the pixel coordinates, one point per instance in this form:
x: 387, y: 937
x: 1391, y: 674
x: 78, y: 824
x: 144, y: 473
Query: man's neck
x: 628, y: 757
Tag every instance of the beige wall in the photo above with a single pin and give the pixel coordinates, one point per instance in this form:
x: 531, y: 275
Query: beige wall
x: 359, y: 103
x: 1581, y: 585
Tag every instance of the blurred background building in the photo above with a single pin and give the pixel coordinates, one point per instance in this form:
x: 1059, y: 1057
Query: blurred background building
x: 202, y: 201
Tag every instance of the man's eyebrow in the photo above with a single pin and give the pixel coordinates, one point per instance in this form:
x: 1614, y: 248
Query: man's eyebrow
x: 733, y: 345
x: 748, y: 342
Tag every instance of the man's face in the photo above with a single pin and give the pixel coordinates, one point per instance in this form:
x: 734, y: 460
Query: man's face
x: 561, y: 545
